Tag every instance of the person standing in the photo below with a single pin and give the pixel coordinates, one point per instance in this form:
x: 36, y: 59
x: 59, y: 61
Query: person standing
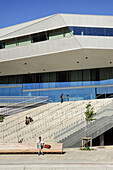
x: 67, y: 97
x: 40, y: 145
x: 61, y: 98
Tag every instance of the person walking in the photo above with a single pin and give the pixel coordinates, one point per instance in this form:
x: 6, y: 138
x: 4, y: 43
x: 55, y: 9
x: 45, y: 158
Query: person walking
x: 67, y: 97
x: 61, y: 98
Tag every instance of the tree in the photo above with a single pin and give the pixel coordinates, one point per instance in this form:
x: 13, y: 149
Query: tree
x: 1, y: 118
x: 89, y: 114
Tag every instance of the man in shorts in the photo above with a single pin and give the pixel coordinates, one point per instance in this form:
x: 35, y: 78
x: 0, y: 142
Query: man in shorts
x: 40, y: 145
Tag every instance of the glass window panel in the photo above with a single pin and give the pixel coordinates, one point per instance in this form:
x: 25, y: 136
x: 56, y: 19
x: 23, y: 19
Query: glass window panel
x: 39, y: 37
x: 10, y: 43
x: 3, y: 80
x: 72, y: 84
x: 62, y: 76
x: 29, y: 86
x: 11, y: 79
x: 12, y: 91
x: 1, y: 91
x: 2, y: 45
x: 109, y: 31
x: 44, y: 93
x: 99, y: 31
x: 37, y: 78
x: 79, y: 94
x: 54, y: 95
x: 86, y: 75
x: 24, y: 40
x: 79, y: 75
x: 93, y: 94
x: 18, y: 91
x: 95, y: 76
x: 52, y: 85
x: 6, y: 92
x: 19, y: 79
x: 110, y: 73
x: 90, y: 31
x: 54, y: 34
x: 44, y: 77
x: 67, y: 32
x: 44, y: 85
x: 103, y: 74
x: 73, y: 76
x: 27, y: 78
x: 52, y: 77
x: 79, y: 30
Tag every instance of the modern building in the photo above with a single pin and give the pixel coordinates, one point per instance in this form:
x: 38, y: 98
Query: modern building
x: 58, y: 54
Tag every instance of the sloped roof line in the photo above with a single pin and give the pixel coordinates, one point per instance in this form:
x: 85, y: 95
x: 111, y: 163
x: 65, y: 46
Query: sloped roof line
x: 37, y: 21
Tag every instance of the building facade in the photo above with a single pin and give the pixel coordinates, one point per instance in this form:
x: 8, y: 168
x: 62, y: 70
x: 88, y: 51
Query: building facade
x: 62, y: 53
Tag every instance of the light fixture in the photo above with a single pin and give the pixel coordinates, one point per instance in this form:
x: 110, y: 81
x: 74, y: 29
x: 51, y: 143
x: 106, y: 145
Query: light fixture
x: 86, y: 57
x: 110, y: 62
x: 77, y: 61
x: 25, y: 63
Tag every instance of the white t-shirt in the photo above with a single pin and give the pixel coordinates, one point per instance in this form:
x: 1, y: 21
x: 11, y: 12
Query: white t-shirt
x: 40, y: 141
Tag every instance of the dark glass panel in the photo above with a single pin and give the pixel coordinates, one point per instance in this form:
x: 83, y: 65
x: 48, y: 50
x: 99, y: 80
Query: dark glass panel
x: 3, y: 80
x: 37, y: 78
x: 44, y: 77
x: 93, y: 74
x: 86, y: 75
x: 79, y: 75
x: 19, y: 79
x: 99, y: 31
x: 66, y: 31
x: 90, y: 31
x: 103, y: 73
x: 52, y: 77
x: 110, y: 73
x: 39, y: 37
x: 109, y: 31
x: 72, y: 76
x: 1, y: 45
x: 27, y: 78
x: 80, y: 31
x: 62, y: 76
x: 11, y: 79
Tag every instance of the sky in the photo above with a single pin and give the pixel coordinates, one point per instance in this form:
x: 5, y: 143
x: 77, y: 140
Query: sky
x: 14, y: 12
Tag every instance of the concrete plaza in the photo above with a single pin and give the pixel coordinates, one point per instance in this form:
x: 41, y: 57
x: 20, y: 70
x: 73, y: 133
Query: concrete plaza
x: 73, y: 158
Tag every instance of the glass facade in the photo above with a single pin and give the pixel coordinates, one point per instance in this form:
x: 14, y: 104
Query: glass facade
x: 56, y: 34
x: 92, y: 31
x: 34, y: 38
x: 80, y: 84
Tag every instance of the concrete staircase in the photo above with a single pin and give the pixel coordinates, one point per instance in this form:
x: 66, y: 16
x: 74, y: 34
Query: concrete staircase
x: 53, y: 121
x: 72, y: 136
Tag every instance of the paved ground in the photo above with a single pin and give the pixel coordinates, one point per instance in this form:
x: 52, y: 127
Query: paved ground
x: 73, y: 158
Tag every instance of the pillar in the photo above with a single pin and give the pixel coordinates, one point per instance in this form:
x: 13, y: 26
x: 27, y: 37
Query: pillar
x: 101, y: 138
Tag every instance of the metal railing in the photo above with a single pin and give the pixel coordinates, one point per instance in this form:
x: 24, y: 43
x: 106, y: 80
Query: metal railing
x: 24, y: 103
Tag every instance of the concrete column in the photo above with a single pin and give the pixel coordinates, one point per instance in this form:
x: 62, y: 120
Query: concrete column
x: 101, y: 138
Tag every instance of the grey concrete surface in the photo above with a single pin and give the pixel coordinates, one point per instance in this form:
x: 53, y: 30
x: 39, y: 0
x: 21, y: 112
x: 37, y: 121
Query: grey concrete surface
x: 73, y: 158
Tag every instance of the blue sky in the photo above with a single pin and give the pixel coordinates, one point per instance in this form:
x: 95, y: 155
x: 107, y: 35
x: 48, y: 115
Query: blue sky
x: 18, y: 11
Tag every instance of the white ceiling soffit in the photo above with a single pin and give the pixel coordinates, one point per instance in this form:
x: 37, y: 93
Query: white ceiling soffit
x: 74, y: 60
x: 48, y: 23
x: 88, y: 20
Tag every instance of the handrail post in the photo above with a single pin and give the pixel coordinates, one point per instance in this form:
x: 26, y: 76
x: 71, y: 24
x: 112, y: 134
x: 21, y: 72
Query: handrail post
x: 3, y: 134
